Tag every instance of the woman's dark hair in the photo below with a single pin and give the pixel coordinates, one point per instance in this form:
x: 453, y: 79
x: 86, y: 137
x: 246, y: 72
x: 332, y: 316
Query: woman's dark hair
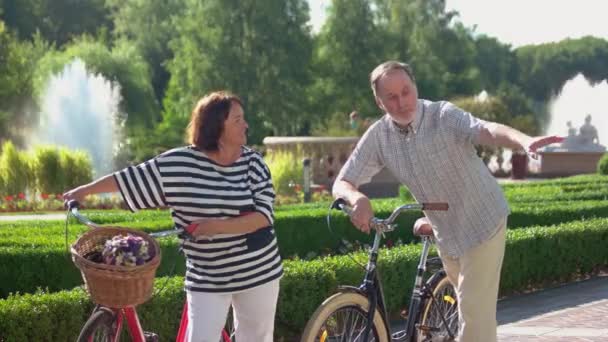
x: 207, y: 121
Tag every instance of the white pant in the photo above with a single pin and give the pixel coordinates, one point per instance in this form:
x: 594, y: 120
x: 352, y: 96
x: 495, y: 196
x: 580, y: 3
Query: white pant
x: 254, y: 311
x: 476, y: 276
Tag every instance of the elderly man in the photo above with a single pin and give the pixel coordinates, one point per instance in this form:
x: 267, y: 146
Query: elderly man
x: 429, y: 147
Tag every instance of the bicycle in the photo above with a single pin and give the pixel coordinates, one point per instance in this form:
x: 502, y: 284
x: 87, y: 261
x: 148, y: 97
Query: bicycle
x: 358, y: 314
x: 105, y: 323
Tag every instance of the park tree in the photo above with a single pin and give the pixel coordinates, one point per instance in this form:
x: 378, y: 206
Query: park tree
x: 149, y: 25
x: 545, y: 68
x: 496, y: 61
x: 440, y: 49
x: 17, y: 63
x: 259, y: 50
x: 58, y: 21
x: 347, y: 48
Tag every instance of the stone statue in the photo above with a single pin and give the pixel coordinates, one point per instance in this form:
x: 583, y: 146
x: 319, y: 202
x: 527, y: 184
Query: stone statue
x: 587, y: 139
x: 588, y: 133
x: 571, y: 140
x: 571, y: 130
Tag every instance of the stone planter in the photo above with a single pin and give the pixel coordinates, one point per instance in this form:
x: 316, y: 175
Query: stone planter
x: 519, y: 165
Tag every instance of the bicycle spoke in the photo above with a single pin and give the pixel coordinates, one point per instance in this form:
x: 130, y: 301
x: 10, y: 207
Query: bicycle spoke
x: 345, y: 325
x: 443, y: 314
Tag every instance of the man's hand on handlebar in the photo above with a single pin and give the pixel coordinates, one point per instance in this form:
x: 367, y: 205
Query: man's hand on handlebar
x: 362, y: 214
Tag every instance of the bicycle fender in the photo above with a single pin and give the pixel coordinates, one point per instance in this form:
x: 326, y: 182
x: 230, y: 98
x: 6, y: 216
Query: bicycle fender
x: 351, y: 289
x: 437, y: 276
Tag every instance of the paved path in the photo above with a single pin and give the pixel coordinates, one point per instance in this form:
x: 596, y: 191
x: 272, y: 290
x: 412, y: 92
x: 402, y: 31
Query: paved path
x: 18, y: 217
x: 576, y: 312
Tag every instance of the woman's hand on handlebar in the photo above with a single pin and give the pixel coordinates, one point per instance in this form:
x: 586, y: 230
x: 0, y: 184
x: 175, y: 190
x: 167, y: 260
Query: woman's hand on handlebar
x: 77, y: 194
x: 362, y: 214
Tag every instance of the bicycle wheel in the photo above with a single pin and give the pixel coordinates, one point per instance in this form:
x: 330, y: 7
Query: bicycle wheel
x: 343, y: 317
x: 439, y: 319
x: 99, y: 328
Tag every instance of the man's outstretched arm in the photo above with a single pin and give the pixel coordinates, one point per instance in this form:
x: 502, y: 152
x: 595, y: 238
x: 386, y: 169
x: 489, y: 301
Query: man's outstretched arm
x: 496, y: 134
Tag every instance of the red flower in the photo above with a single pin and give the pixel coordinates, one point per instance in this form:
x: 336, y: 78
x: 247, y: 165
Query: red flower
x: 44, y: 196
x: 59, y: 196
x: 8, y: 198
x: 21, y: 195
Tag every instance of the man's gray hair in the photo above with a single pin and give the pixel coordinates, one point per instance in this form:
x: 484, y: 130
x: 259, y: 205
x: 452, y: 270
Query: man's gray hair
x: 387, y: 67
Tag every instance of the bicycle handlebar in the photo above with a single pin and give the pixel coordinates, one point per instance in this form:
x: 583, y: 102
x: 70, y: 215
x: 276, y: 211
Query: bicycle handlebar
x: 73, y: 207
x: 386, y: 225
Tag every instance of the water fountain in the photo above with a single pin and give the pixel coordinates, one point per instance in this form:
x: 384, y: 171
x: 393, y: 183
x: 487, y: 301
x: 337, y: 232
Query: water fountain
x: 578, y: 102
x: 80, y: 110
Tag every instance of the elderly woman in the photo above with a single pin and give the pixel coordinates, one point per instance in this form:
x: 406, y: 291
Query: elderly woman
x: 221, y: 192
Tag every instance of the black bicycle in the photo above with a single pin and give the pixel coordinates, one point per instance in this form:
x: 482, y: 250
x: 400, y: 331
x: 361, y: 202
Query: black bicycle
x: 358, y: 314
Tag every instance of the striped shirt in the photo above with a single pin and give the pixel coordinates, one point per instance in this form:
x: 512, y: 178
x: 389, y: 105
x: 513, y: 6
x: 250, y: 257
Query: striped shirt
x: 436, y: 159
x: 195, y: 187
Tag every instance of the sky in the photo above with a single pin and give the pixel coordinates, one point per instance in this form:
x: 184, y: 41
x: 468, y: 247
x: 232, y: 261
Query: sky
x: 519, y: 22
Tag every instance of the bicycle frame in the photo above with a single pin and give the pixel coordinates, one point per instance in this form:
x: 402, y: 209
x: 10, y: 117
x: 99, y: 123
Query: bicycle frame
x: 134, y: 326
x: 371, y: 287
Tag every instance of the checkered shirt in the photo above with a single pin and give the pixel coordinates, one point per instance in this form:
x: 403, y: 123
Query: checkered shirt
x: 436, y: 159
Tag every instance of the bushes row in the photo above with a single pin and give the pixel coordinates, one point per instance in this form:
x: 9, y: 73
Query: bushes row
x: 34, y: 254
x: 535, y: 255
x: 47, y: 170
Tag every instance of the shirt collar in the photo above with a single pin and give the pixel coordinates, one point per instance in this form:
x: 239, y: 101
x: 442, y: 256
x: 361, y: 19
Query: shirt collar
x: 413, y: 126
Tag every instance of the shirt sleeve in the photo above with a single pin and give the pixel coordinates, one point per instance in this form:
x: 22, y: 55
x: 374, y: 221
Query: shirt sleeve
x: 261, y: 186
x: 141, y: 186
x: 364, y: 162
x: 462, y: 124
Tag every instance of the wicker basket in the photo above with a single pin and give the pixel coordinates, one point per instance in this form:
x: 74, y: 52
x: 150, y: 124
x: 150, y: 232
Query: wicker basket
x: 110, y: 285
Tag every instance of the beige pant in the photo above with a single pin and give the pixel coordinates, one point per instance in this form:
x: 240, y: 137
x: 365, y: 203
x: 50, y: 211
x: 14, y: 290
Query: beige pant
x: 476, y: 276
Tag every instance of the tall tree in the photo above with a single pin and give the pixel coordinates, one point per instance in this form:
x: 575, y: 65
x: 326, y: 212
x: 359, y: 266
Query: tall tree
x: 149, y: 25
x: 257, y: 49
x: 440, y: 50
x: 57, y: 20
x: 496, y: 61
x: 545, y: 68
x: 17, y: 63
x: 348, y: 47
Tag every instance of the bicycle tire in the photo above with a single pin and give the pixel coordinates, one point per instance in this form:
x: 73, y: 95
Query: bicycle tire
x: 317, y: 331
x: 101, y: 322
x: 444, y: 304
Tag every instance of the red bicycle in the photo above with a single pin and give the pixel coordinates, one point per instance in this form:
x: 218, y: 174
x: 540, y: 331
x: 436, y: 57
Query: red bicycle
x: 105, y: 323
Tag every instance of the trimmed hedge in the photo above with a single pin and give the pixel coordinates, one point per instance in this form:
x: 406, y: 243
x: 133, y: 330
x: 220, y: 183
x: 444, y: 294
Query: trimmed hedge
x: 534, y: 255
x: 33, y: 254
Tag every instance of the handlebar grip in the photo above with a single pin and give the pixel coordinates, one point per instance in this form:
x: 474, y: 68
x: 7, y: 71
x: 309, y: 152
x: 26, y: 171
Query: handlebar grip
x: 443, y: 206
x: 338, y: 204
x: 73, y: 204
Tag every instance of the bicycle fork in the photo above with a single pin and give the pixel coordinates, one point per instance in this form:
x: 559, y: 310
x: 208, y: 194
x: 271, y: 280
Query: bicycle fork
x: 130, y: 315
